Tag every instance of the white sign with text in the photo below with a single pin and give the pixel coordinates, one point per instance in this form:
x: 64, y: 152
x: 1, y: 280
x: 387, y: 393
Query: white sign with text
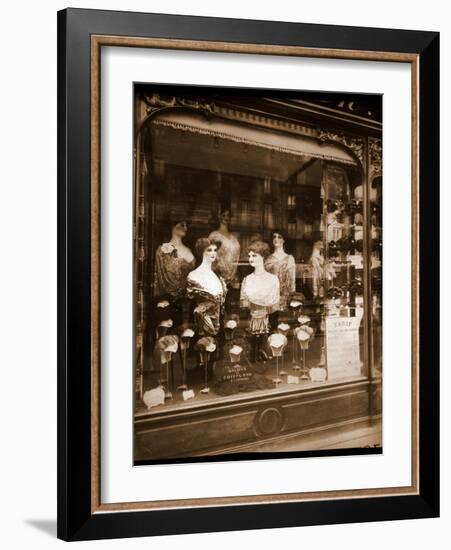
x: 342, y: 345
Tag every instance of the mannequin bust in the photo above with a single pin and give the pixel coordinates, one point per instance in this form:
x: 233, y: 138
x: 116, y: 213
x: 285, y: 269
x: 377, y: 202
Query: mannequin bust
x: 207, y: 289
x: 334, y: 225
x: 173, y: 261
x: 228, y: 247
x: 260, y: 291
x: 317, y: 263
x: 282, y: 265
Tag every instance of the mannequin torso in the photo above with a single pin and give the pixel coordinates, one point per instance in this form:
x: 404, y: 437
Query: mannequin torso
x: 208, y: 292
x: 283, y: 265
x: 260, y: 292
x: 207, y: 279
x: 182, y: 250
x: 173, y: 261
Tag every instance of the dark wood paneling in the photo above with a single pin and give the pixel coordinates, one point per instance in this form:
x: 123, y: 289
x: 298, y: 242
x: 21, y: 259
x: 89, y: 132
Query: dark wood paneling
x: 326, y: 409
x: 190, y: 433
x: 174, y: 437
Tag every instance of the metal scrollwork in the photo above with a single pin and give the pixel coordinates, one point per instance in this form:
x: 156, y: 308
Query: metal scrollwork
x: 155, y: 102
x: 357, y: 145
x: 375, y: 146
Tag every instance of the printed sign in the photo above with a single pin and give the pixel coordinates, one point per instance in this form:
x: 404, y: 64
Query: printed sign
x: 232, y: 373
x: 342, y: 347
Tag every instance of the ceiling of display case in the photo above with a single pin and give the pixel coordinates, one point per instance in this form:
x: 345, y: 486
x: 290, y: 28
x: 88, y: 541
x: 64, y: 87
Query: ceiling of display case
x: 194, y: 141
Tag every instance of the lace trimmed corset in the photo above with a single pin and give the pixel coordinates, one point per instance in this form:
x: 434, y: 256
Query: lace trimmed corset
x: 259, y: 323
x: 261, y: 294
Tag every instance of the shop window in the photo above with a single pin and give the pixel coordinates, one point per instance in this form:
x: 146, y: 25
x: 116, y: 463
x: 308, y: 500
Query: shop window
x: 233, y: 329
x: 250, y: 291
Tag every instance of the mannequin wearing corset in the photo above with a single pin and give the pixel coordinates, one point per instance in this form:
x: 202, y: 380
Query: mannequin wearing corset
x: 207, y: 289
x: 228, y: 248
x: 282, y: 265
x: 260, y: 291
x: 173, y: 261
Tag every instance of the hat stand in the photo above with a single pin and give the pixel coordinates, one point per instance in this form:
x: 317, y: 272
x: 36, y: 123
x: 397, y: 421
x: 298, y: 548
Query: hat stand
x: 184, y: 345
x: 205, y: 359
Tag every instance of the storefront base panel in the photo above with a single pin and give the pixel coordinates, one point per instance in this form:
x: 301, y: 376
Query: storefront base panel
x: 219, y: 427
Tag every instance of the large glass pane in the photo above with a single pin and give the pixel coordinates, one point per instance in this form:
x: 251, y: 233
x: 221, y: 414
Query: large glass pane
x: 281, y: 303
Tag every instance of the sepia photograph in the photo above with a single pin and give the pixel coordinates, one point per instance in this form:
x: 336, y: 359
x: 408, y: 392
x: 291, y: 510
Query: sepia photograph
x: 257, y: 273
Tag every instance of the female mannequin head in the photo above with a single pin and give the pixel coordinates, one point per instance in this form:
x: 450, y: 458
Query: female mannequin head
x: 221, y: 218
x: 225, y: 217
x: 179, y: 228
x: 258, y: 251
x: 278, y: 240
x: 206, y: 251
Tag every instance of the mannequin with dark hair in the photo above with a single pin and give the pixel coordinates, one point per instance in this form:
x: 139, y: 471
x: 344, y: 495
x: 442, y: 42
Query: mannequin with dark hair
x: 173, y: 261
x: 283, y: 266
x: 207, y: 289
x: 228, y: 246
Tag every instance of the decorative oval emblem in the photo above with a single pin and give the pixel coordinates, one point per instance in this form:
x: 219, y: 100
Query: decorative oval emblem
x: 269, y: 421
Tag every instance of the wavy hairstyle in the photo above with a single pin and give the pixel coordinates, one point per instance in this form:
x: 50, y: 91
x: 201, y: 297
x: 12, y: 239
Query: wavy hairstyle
x: 261, y: 248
